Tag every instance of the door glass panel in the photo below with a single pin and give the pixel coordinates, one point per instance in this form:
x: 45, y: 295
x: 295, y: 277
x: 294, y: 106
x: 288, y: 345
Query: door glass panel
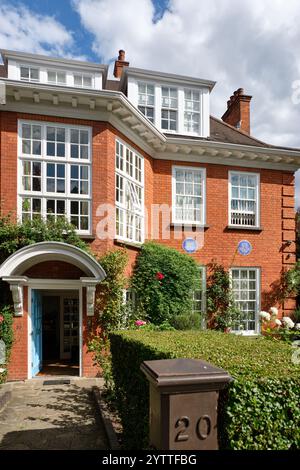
x: 71, y: 328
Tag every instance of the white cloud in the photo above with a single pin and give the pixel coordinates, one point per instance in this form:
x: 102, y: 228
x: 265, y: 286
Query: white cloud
x: 251, y: 44
x: 21, y: 29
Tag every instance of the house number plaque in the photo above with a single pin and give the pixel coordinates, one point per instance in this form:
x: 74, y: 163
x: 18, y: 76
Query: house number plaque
x: 196, y: 427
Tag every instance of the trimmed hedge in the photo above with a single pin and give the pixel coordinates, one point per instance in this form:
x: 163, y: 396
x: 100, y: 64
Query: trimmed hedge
x: 261, y: 408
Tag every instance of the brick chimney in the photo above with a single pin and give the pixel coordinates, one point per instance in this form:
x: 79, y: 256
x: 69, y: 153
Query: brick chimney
x: 120, y: 63
x: 238, y: 111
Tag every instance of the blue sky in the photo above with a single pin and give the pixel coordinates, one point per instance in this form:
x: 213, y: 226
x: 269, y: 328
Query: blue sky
x: 251, y: 44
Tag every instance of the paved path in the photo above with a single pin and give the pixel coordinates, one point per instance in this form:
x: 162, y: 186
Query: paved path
x: 51, y: 417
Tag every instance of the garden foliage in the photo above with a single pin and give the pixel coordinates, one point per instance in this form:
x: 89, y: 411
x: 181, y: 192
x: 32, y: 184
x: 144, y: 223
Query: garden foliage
x: 259, y: 411
x: 164, y: 280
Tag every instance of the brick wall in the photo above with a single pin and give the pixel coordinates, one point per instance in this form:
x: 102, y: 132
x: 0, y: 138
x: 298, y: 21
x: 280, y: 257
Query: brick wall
x: 18, y: 364
x: 270, y: 251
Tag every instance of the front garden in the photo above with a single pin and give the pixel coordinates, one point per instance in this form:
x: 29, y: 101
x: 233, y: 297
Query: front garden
x: 260, y: 410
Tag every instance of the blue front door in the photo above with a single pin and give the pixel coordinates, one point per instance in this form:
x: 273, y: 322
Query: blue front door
x: 36, y: 332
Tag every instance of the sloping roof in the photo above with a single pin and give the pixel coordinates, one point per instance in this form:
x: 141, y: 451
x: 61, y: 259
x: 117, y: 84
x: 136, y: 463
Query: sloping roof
x: 220, y: 131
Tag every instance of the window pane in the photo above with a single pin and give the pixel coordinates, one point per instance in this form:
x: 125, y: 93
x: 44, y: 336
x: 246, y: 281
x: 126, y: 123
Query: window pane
x: 74, y: 136
x: 50, y: 149
x: 74, y: 171
x: 51, y: 77
x: 74, y: 151
x: 25, y: 72
x: 26, y: 131
x: 26, y: 146
x: 60, y: 150
x: 36, y: 147
x: 34, y: 74
x: 78, y: 80
x: 84, y: 137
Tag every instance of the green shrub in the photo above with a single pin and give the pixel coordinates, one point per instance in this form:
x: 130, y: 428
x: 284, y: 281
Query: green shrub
x: 6, y: 335
x: 191, y: 321
x: 261, y: 408
x: 164, y: 280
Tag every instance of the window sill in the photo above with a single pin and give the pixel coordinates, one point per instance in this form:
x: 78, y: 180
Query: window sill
x: 189, y: 224
x: 240, y: 227
x: 87, y: 236
x: 119, y: 241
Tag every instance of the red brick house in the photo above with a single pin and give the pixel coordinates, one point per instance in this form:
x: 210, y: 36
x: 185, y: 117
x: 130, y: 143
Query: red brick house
x: 143, y: 149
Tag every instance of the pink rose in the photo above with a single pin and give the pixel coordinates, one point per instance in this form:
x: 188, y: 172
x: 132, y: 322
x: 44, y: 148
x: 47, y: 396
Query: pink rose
x: 159, y: 276
x: 140, y: 323
x: 1, y: 319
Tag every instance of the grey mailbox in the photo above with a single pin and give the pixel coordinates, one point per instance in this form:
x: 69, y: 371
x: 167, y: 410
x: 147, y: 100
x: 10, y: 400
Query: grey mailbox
x: 183, y: 403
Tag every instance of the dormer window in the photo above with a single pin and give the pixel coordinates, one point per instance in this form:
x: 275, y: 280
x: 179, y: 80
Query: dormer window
x: 57, y: 78
x: 83, y: 81
x: 146, y: 100
x: 169, y: 107
x: 191, y: 111
x: 29, y: 74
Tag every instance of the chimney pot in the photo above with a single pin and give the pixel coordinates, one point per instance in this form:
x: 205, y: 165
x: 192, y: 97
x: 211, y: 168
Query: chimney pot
x: 121, y: 54
x: 238, y: 111
x: 120, y: 63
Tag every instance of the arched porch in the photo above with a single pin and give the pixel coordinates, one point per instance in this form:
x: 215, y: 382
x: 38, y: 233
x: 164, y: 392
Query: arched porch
x: 52, y: 283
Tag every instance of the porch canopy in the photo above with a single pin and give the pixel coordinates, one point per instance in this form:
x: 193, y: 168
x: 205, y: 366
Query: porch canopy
x: 13, y: 270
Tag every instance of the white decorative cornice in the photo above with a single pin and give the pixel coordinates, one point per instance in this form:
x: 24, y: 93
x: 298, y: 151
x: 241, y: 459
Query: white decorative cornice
x: 115, y: 108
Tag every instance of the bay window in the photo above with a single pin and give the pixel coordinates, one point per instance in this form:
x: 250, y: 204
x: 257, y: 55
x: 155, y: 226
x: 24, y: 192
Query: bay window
x: 55, y: 173
x: 188, y: 194
x: 243, y: 199
x: 129, y: 194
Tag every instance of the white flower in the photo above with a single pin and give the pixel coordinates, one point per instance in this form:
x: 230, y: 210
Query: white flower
x: 297, y: 326
x: 265, y: 316
x: 278, y: 322
x: 288, y: 323
x: 273, y: 312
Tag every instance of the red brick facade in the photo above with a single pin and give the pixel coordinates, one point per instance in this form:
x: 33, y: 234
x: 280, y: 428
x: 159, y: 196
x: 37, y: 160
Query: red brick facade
x: 271, y: 252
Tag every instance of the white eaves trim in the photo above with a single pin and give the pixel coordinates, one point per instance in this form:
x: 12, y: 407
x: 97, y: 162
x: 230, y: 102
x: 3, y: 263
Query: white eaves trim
x: 52, y: 61
x: 114, y: 107
x: 165, y: 77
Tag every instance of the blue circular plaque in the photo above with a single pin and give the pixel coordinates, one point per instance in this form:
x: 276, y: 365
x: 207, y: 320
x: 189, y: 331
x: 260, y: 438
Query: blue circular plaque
x: 244, y: 247
x: 189, y: 245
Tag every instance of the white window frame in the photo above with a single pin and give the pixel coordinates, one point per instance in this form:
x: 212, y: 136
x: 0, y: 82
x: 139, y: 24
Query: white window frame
x: 257, y: 300
x: 202, y: 277
x: 192, y: 90
x: 203, y: 175
x: 130, y: 181
x: 43, y: 195
x: 83, y: 75
x: 146, y: 106
x: 31, y: 80
x: 169, y: 109
x: 56, y: 72
x: 257, y: 213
